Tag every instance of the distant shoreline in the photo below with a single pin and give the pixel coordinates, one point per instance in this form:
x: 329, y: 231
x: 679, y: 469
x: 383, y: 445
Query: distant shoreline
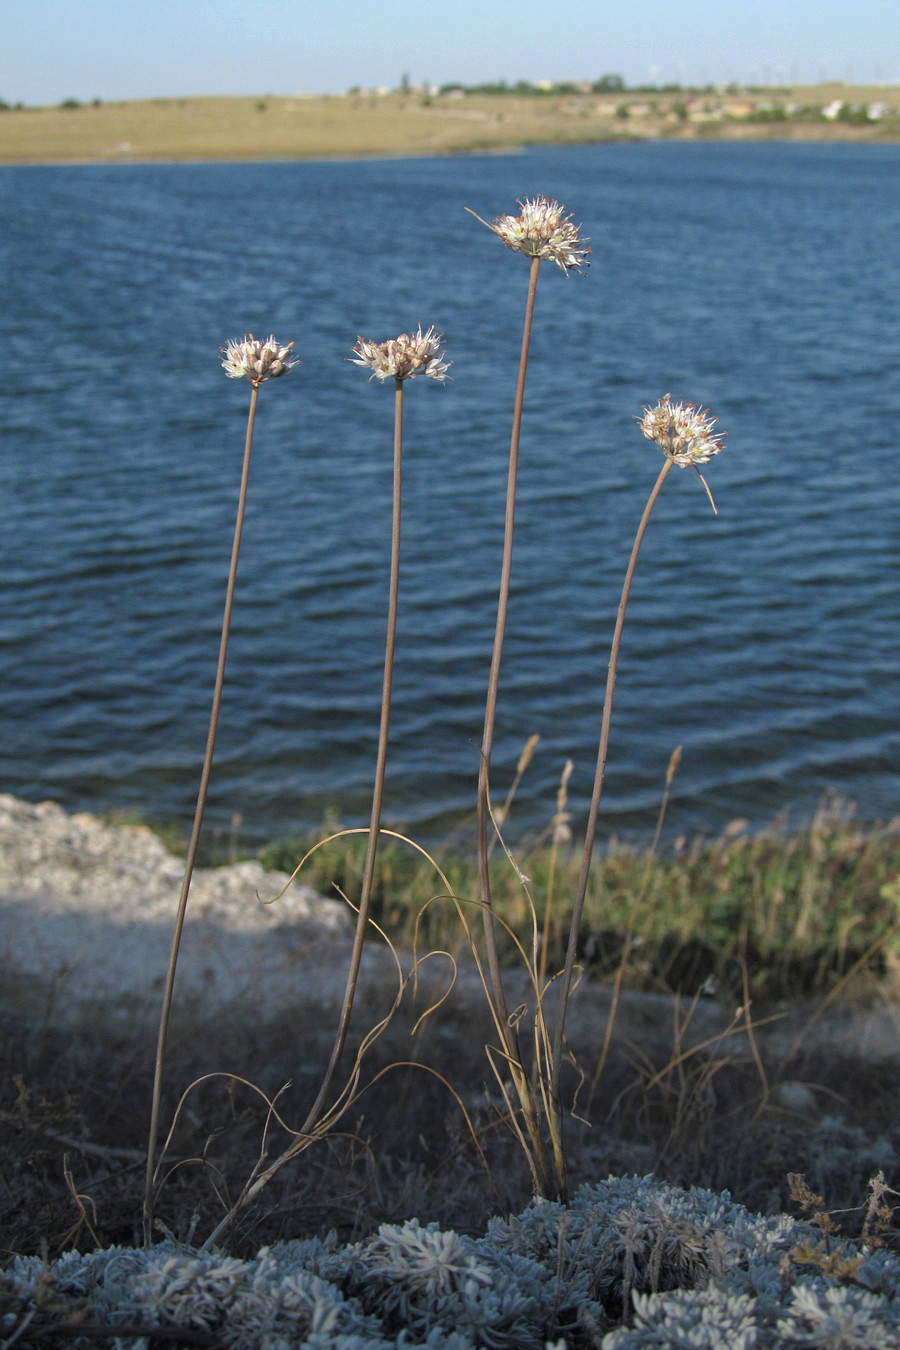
x: 414, y: 125
x: 375, y: 156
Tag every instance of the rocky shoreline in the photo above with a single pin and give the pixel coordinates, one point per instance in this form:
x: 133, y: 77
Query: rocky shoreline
x: 86, y: 915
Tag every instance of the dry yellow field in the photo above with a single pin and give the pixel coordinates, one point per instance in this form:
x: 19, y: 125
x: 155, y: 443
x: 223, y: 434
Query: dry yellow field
x: 282, y: 128
x: 337, y: 126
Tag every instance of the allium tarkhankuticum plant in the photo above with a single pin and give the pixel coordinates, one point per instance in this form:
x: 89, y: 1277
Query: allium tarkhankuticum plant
x: 399, y: 359
x: 248, y: 359
x: 686, y: 436
x: 543, y: 232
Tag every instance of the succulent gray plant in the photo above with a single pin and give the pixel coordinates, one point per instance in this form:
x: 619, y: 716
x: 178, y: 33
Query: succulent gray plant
x: 688, y: 1319
x: 629, y: 1264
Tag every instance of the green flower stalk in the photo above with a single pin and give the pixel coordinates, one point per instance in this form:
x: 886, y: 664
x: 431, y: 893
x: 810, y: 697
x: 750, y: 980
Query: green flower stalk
x: 248, y: 359
x: 685, y: 434
x: 541, y: 231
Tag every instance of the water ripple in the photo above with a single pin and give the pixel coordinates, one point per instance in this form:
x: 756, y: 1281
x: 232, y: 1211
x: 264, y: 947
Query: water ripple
x: 764, y: 640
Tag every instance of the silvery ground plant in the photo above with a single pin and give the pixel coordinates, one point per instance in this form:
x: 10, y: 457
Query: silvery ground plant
x: 630, y: 1263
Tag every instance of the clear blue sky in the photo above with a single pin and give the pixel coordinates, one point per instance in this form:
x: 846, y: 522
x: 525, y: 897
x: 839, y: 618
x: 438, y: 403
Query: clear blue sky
x: 111, y: 49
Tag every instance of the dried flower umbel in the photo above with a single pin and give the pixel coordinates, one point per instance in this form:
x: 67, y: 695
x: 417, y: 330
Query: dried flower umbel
x: 404, y: 357
x: 257, y: 361
x: 543, y: 230
x: 682, y: 431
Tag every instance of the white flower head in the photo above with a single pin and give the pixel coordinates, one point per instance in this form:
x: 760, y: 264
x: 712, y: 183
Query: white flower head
x: 403, y: 357
x: 543, y: 230
x: 257, y: 361
x: 682, y: 431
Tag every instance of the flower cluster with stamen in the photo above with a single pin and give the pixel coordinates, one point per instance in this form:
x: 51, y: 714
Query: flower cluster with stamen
x: 682, y: 431
x: 542, y: 230
x: 403, y: 357
x: 257, y: 361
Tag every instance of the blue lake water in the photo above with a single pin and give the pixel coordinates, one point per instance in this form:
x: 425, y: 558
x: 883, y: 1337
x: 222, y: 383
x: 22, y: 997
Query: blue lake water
x: 761, y: 280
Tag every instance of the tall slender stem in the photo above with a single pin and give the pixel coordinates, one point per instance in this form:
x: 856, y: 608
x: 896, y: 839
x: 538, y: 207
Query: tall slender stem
x: 566, y: 982
x: 381, y: 759
x: 537, y: 1149
x: 195, y: 832
x: 494, y: 678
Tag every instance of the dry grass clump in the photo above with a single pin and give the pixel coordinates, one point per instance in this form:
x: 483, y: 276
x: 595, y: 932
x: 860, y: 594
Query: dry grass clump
x: 683, y: 1094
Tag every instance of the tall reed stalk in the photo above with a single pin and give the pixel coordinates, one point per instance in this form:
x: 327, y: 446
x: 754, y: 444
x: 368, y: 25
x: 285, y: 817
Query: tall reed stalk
x: 540, y: 231
x: 685, y: 435
x: 257, y: 362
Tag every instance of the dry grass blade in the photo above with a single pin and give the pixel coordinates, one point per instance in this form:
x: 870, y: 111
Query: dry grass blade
x: 859, y: 964
x: 634, y: 911
x: 79, y: 1199
x: 524, y: 760
x: 559, y: 832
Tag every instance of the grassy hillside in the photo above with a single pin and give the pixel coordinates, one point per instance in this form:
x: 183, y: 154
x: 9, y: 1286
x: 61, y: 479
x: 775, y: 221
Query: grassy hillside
x: 362, y: 124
